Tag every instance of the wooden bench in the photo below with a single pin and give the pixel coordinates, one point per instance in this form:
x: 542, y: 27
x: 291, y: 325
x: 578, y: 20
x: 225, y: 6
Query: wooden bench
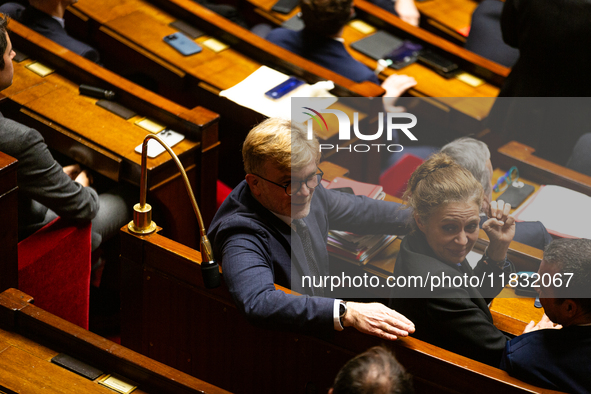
x: 170, y: 316
x: 73, y: 125
x: 30, y: 337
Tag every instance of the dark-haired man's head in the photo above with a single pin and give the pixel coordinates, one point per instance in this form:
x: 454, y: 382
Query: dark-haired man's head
x: 6, y: 68
x: 374, y: 371
x: 565, y: 281
x: 325, y: 17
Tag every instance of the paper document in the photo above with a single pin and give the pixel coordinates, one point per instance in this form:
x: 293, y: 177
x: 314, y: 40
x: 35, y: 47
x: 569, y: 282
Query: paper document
x: 250, y: 93
x: 564, y: 212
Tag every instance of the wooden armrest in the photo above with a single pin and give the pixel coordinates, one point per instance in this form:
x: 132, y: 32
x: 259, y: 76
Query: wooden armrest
x: 540, y: 170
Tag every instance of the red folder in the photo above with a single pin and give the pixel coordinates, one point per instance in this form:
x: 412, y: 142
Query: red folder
x: 359, y: 188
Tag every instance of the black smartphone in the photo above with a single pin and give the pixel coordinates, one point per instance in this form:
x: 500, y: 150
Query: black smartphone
x: 438, y: 63
x: 516, y: 193
x: 404, y: 55
x: 525, y: 279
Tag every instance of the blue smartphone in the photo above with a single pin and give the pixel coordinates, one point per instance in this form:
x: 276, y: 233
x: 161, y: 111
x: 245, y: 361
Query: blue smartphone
x: 182, y: 43
x: 283, y: 88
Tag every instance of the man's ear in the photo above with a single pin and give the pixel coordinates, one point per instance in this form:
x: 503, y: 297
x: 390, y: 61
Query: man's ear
x: 254, y: 183
x: 569, y: 307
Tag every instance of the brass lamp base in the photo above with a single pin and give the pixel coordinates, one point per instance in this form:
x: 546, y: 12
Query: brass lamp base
x: 142, y: 220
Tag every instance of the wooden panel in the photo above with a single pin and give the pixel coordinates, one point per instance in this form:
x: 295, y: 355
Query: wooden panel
x: 19, y: 369
x: 200, y: 330
x: 511, y: 313
x: 9, y: 228
x: 32, y: 336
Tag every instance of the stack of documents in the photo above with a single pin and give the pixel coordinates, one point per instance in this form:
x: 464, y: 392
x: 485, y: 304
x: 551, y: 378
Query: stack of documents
x: 357, y: 249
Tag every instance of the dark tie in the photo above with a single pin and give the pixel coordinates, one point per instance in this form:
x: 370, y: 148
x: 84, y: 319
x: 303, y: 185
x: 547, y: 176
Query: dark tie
x: 304, y: 233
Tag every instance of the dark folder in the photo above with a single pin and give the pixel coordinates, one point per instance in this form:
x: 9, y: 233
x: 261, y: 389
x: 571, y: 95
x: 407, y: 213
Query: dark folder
x: 378, y: 45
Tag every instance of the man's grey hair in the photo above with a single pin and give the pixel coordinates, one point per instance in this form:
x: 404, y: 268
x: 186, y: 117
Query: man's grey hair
x: 472, y: 155
x: 572, y: 256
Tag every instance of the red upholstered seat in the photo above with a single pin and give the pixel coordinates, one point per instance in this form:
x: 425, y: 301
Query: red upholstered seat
x: 54, y: 268
x: 395, y: 178
x: 222, y: 192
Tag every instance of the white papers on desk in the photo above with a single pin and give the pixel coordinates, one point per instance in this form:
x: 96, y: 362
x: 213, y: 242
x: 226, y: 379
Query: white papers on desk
x: 564, y: 212
x: 250, y: 93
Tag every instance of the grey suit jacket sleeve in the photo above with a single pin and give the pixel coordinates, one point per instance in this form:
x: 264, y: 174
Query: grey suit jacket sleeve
x: 42, y: 179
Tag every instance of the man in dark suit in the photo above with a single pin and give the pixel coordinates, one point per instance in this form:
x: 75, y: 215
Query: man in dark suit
x: 475, y: 157
x: 273, y: 228
x: 46, y: 17
x: 558, y: 359
x: 321, y: 42
x: 485, y: 38
x: 551, y: 36
x: 46, y: 190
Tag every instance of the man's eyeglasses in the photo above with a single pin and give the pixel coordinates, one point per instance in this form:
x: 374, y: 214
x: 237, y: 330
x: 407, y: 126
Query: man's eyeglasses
x: 510, y: 176
x: 294, y: 187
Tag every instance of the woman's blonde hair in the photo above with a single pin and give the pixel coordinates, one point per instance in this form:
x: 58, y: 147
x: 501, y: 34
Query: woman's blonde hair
x: 282, y: 142
x: 440, y: 180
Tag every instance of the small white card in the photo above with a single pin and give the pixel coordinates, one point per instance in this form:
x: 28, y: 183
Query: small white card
x: 154, y: 148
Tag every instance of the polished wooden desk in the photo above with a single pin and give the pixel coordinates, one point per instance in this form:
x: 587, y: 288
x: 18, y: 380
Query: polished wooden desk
x: 133, y: 30
x: 9, y: 228
x: 170, y: 316
x: 545, y: 172
x: 105, y: 142
x: 430, y: 84
x: 218, y: 70
x: 31, y: 337
x: 448, y: 16
x: 484, y: 68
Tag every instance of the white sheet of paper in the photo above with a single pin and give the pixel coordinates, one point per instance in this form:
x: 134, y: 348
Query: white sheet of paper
x: 250, y: 93
x: 154, y: 148
x: 559, y: 209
